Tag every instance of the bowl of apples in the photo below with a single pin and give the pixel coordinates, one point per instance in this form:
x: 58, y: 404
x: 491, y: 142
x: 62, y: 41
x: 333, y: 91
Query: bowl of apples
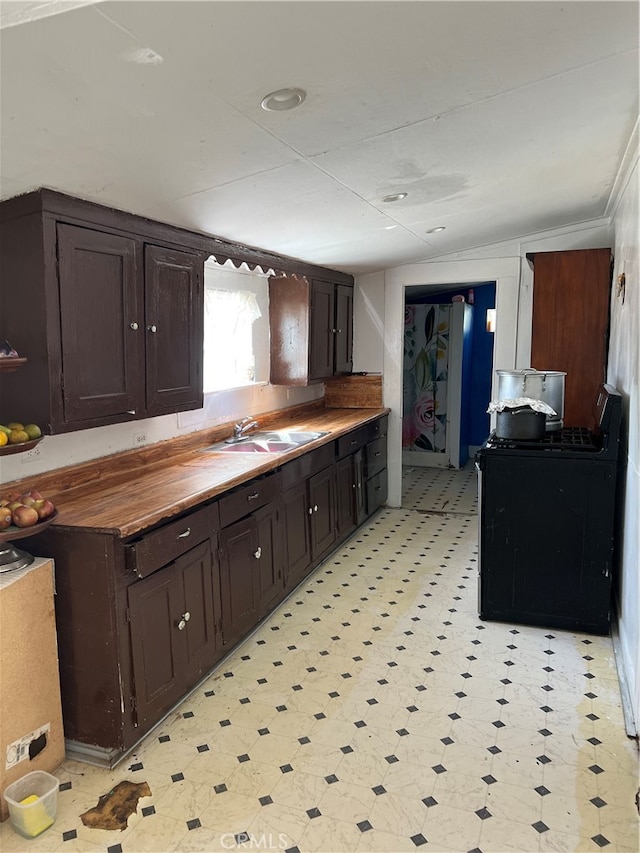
x: 24, y: 515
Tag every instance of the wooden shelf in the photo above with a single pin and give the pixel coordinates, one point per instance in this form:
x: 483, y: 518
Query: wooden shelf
x: 9, y: 364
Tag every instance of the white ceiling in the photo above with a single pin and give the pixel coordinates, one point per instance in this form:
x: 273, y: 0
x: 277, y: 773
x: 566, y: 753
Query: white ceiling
x: 499, y: 119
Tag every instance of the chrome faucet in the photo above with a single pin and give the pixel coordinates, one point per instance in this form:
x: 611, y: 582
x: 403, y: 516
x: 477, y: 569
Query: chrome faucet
x: 243, y: 427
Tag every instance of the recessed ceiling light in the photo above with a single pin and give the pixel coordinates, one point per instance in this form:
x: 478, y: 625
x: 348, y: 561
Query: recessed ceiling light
x: 283, y: 99
x: 395, y: 197
x: 436, y: 230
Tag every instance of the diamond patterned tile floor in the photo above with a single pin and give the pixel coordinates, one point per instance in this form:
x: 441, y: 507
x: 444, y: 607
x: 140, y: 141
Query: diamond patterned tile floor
x: 374, y: 711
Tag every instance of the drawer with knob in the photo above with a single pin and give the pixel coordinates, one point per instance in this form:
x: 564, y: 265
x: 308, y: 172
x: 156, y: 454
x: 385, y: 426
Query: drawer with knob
x: 375, y: 456
x: 159, y: 547
x: 246, y: 499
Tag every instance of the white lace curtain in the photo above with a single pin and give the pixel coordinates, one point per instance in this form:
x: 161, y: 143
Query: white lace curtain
x: 228, y: 343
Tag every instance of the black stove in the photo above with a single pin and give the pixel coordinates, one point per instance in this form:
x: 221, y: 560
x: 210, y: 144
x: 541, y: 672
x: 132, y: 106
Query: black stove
x: 547, y: 523
x: 602, y: 438
x: 579, y: 439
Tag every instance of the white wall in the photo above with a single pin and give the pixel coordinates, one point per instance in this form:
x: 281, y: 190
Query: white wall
x: 624, y: 374
x: 368, y: 323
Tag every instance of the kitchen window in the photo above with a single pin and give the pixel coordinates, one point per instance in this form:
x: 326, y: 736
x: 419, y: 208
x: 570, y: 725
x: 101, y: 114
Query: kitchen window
x: 236, y: 327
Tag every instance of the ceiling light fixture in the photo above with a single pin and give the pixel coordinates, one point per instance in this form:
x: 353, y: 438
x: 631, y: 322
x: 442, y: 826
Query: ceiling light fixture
x: 283, y: 99
x: 395, y: 197
x: 436, y: 230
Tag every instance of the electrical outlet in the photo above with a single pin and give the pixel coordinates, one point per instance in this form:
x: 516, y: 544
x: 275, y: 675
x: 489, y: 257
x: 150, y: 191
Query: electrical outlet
x: 32, y: 454
x: 139, y: 439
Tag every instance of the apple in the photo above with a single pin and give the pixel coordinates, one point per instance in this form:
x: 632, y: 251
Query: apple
x: 4, y: 502
x: 25, y: 500
x: 13, y: 496
x: 45, y: 509
x: 5, y: 517
x: 25, y: 516
x: 35, y: 495
x: 14, y: 505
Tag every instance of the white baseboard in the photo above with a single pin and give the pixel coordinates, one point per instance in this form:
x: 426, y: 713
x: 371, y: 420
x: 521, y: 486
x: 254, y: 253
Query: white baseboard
x: 630, y: 723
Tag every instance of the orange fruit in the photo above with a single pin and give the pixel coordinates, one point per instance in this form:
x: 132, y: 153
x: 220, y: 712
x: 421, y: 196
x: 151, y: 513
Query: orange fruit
x: 3, y: 438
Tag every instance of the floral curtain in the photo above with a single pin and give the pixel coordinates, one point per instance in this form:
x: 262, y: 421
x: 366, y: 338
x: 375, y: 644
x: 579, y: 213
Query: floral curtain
x: 426, y: 358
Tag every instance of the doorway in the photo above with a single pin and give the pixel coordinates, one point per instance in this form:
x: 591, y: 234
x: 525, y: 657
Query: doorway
x: 447, y: 367
x: 505, y: 272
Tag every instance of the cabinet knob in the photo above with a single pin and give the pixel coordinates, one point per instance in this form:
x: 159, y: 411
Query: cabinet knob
x: 152, y: 328
x: 253, y: 496
x: 315, y: 508
x: 310, y: 510
x: 257, y: 554
x: 182, y: 624
x: 133, y: 326
x: 186, y: 616
x: 184, y: 535
x: 131, y: 411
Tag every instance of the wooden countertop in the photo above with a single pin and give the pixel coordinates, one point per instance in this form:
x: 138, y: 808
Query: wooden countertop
x: 129, y: 502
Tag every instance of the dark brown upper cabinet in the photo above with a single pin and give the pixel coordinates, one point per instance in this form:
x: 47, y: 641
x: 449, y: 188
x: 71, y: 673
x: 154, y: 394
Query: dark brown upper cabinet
x: 101, y: 357
x: 570, y: 326
x: 173, y: 319
x: 311, y: 325
x: 109, y: 318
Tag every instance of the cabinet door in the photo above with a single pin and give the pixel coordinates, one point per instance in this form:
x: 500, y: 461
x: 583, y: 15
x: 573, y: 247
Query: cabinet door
x: 156, y: 605
x: 200, y: 634
x: 296, y: 527
x: 270, y: 562
x: 321, y: 497
x: 321, y: 332
x: 570, y: 324
x: 345, y: 496
x: 174, y: 317
x: 239, y: 579
x: 101, y: 325
x: 343, y: 360
x: 358, y: 478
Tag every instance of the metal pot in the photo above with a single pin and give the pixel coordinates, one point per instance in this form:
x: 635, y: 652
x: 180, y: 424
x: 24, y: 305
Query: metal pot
x: 521, y: 424
x: 545, y: 385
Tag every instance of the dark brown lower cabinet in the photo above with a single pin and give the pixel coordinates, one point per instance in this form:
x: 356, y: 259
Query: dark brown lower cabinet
x: 173, y: 631
x: 270, y: 560
x: 297, y: 534
x: 345, y: 496
x: 323, y: 517
x: 239, y: 579
x: 376, y: 488
x: 358, y: 478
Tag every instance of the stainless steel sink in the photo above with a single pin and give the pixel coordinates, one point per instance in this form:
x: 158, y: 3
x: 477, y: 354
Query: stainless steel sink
x: 254, y: 446
x: 274, y: 441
